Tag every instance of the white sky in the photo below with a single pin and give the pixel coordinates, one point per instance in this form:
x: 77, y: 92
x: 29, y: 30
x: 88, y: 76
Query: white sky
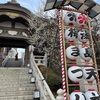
x: 35, y: 5
x: 32, y: 5
x: 20, y: 50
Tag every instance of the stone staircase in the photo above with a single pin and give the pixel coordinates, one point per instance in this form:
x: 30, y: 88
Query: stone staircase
x: 15, y: 84
x: 13, y: 63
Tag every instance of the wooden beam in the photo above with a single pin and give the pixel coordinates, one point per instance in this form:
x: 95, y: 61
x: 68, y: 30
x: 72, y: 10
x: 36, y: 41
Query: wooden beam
x: 79, y: 2
x: 71, y: 9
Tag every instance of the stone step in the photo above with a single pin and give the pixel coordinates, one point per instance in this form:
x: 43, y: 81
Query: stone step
x: 11, y: 62
x: 4, y: 82
x: 15, y: 77
x: 15, y: 93
x: 17, y: 85
x: 6, y: 89
x: 30, y: 97
x: 14, y: 80
x: 25, y: 97
x: 6, y: 68
x: 13, y: 73
x: 13, y: 68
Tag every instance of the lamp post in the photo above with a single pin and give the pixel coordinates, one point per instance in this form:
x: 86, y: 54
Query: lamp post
x: 30, y: 70
x: 36, y: 94
x: 33, y: 79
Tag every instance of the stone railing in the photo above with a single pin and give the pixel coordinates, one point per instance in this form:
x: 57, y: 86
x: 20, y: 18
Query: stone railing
x: 42, y: 86
x: 7, y: 58
x: 5, y: 61
x: 41, y: 60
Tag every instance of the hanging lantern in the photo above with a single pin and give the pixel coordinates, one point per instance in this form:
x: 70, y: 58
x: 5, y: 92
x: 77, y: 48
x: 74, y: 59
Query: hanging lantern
x: 77, y: 95
x: 72, y: 52
x: 91, y: 94
x: 86, y: 53
x: 83, y: 36
x: 71, y: 34
x: 82, y: 20
x: 75, y: 74
x: 70, y: 18
x: 89, y: 74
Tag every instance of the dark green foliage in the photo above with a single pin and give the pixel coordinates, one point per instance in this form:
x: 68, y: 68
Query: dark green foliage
x: 53, y: 80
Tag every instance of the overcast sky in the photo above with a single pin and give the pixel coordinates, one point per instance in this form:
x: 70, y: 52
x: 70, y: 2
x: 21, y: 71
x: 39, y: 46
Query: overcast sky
x: 32, y: 5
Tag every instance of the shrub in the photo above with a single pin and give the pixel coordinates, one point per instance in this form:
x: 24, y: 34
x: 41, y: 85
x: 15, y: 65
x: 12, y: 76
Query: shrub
x: 53, y: 80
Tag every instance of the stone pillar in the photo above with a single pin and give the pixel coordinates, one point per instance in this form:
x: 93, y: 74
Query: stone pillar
x: 30, y: 50
x: 45, y: 59
x: 60, y: 95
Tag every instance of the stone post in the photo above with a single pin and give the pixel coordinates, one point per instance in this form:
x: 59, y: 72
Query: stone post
x: 60, y: 95
x: 31, y: 49
x: 45, y: 59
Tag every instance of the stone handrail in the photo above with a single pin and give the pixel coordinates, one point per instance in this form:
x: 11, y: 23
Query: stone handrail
x: 41, y: 84
x: 11, y: 54
x: 6, y: 58
x: 5, y: 61
x: 41, y: 60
